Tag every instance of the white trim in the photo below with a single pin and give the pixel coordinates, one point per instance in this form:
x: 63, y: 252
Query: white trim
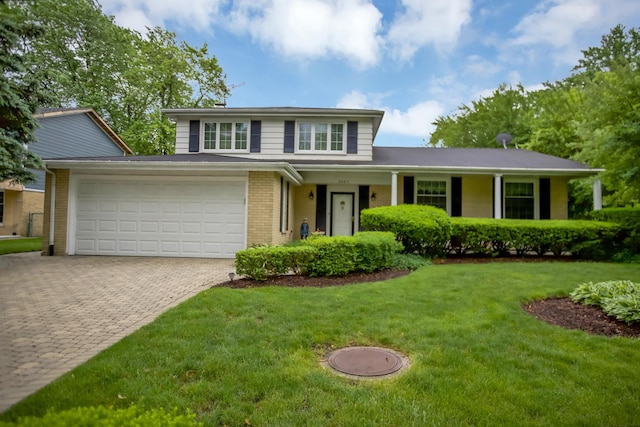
x: 436, y: 178
x: 312, y: 149
x: 219, y: 150
x: 536, y: 193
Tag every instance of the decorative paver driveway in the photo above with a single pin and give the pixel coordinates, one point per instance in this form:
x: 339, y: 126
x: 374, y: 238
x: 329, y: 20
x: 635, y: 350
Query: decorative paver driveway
x: 58, y: 312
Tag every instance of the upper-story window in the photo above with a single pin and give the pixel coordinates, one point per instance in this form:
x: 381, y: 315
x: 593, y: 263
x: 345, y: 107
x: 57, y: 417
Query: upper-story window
x: 225, y: 136
x: 319, y: 136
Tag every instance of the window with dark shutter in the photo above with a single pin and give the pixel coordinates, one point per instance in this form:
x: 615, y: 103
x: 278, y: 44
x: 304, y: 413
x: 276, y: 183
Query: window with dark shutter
x: 321, y: 207
x: 545, y: 198
x: 408, y: 189
x: 456, y: 196
x: 194, y: 136
x: 256, y: 134
x: 352, y: 137
x: 289, y: 136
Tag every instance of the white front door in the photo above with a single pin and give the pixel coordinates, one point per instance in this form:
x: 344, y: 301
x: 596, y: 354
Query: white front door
x: 342, y: 214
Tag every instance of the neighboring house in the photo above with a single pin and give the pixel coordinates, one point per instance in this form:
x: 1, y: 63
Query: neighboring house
x: 61, y: 133
x: 247, y: 176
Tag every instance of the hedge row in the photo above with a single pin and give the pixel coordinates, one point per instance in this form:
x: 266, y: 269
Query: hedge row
x: 424, y: 230
x: 429, y: 231
x: 321, y: 256
x: 629, y: 219
x: 580, y: 238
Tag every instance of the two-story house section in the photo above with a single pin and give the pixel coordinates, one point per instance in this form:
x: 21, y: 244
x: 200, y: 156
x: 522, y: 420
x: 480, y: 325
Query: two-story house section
x: 61, y: 132
x: 246, y: 176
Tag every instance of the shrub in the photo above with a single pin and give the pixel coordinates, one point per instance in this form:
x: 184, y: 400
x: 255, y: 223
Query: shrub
x: 375, y: 250
x: 262, y: 262
x: 424, y: 230
x: 99, y: 416
x: 619, y: 298
x: 409, y: 261
x: 335, y: 256
x: 629, y: 219
x: 583, y: 239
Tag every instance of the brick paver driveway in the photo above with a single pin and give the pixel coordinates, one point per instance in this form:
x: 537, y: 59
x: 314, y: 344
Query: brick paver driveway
x: 57, y: 312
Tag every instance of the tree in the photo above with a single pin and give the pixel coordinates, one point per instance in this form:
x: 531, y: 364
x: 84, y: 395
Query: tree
x: 19, y: 99
x: 87, y: 60
x: 506, y: 110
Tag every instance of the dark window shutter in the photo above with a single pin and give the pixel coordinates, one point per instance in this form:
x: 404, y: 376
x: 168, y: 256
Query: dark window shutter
x: 408, y: 190
x: 363, y: 200
x: 321, y: 207
x: 456, y: 196
x: 545, y: 198
x: 352, y: 137
x: 256, y: 131
x: 194, y: 136
x: 289, y: 136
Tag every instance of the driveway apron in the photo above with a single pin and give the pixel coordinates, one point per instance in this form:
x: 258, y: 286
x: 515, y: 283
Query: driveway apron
x: 58, y: 312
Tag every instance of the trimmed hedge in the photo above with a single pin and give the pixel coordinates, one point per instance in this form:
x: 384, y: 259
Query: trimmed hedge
x: 424, y: 230
x: 321, y: 256
x: 581, y: 238
x: 262, y: 262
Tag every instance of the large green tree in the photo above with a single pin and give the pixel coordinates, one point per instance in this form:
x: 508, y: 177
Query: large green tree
x: 506, y: 110
x: 85, y: 59
x: 19, y: 98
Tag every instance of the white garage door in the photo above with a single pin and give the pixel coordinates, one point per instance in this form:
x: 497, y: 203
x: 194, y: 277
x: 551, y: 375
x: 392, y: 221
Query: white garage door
x: 148, y: 217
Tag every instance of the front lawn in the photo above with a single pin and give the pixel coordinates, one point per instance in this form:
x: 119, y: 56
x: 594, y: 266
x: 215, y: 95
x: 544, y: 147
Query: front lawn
x: 251, y: 356
x: 23, y: 244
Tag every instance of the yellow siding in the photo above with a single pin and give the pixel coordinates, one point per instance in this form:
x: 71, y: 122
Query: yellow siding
x: 477, y: 199
x: 303, y: 208
x: 383, y: 196
x: 559, y: 198
x: 11, y: 213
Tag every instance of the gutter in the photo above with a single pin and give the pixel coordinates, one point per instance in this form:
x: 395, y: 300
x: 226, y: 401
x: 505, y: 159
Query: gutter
x: 52, y: 209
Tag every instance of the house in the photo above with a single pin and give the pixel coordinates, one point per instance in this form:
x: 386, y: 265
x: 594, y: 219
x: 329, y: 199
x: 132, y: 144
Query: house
x: 247, y: 176
x: 60, y: 133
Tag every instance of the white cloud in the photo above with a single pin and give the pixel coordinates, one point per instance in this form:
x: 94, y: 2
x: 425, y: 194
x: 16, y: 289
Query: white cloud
x: 564, y: 25
x: 136, y: 14
x: 310, y: 29
x: 415, y: 121
x: 479, y: 66
x: 437, y: 22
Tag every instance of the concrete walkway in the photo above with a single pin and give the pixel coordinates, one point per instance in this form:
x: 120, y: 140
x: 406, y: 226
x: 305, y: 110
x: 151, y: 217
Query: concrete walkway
x: 58, y: 312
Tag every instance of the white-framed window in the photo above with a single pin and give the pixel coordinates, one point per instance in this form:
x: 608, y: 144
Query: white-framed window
x: 225, y: 136
x: 433, y: 191
x: 1, y: 207
x: 321, y: 137
x: 521, y: 199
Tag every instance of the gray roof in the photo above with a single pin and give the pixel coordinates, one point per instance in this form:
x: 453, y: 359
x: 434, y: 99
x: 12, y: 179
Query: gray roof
x: 402, y: 159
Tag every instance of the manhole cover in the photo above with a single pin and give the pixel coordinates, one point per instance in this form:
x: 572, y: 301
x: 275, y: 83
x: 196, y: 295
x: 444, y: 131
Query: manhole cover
x: 366, y: 361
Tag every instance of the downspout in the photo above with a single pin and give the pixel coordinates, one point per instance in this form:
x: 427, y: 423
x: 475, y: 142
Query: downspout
x: 52, y: 209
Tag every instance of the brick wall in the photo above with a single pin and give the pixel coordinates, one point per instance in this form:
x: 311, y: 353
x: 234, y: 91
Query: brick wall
x: 303, y: 208
x: 32, y: 202
x: 61, y: 213
x: 11, y: 213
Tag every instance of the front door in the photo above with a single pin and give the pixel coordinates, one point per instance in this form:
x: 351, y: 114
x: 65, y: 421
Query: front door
x: 342, y: 214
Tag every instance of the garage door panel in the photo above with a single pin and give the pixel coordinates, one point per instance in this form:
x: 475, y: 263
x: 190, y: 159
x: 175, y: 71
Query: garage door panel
x: 153, y: 218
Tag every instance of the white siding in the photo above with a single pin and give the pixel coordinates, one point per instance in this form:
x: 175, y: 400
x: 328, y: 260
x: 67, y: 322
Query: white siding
x: 272, y: 141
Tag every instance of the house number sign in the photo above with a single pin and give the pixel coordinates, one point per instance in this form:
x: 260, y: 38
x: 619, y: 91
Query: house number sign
x: 343, y: 181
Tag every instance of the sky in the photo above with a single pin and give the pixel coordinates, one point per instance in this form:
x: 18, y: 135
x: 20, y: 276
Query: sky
x: 416, y: 60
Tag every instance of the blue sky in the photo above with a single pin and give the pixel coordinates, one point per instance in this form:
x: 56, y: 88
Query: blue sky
x: 414, y: 59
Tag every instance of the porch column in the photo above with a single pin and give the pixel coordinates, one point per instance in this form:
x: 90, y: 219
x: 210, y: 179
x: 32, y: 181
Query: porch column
x: 597, y: 195
x: 394, y: 188
x: 497, y: 200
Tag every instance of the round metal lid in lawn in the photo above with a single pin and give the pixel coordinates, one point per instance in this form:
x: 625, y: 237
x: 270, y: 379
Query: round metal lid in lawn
x: 368, y: 362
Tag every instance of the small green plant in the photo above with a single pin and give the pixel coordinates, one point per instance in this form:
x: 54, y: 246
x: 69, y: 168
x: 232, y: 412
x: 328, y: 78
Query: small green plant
x: 409, y: 262
x: 618, y: 298
x: 99, y: 416
x: 26, y: 244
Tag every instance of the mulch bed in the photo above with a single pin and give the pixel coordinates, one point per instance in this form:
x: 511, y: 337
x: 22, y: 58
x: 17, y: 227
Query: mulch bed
x: 562, y: 312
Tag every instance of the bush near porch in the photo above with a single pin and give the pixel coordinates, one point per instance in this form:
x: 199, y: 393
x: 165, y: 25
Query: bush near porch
x: 629, y: 220
x: 428, y: 231
x: 321, y: 256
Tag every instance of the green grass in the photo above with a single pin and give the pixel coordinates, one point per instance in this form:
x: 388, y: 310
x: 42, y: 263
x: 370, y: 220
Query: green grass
x: 476, y: 357
x: 25, y: 244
